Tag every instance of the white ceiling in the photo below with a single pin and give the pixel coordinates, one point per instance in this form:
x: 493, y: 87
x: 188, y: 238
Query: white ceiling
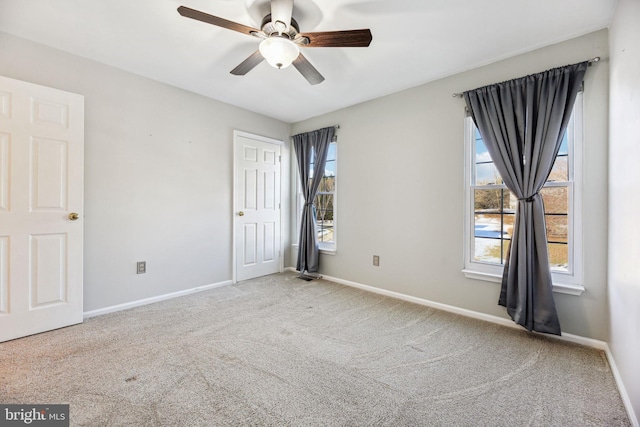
x: 414, y: 42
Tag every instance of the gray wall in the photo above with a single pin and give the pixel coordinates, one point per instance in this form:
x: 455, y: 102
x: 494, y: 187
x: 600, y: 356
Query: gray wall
x: 400, y: 189
x: 158, y: 175
x: 624, y: 199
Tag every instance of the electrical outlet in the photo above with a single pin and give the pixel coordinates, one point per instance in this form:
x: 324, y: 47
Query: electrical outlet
x: 142, y: 267
x: 376, y: 260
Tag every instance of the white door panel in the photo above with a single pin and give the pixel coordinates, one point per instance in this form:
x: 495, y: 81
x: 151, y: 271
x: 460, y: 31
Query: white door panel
x: 257, y: 206
x: 41, y: 184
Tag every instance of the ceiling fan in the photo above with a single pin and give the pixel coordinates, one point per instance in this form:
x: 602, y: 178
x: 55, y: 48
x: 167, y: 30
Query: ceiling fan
x: 282, y: 39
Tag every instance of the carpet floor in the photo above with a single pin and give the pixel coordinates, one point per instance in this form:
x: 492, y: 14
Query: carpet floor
x: 280, y: 351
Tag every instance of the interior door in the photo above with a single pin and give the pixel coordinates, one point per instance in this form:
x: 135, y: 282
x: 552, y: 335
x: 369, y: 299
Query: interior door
x: 41, y: 200
x: 257, y: 206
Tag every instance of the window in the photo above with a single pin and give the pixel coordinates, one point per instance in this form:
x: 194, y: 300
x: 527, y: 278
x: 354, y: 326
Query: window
x: 325, y: 201
x: 490, y: 208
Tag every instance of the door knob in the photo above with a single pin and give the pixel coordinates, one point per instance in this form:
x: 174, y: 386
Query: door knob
x: 73, y: 216
x: 240, y: 213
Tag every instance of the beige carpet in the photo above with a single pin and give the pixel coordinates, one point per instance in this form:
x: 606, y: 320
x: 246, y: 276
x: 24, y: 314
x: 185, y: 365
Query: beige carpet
x: 280, y: 351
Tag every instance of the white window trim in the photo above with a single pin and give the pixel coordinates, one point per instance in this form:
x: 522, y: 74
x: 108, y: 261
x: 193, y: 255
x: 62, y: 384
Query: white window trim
x: 570, y: 282
x: 325, y: 248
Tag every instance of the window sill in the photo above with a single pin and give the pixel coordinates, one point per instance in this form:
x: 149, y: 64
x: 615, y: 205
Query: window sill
x: 561, y: 288
x: 323, y: 251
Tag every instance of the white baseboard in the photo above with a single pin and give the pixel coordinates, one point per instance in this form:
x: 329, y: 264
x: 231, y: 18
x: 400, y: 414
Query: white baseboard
x: 623, y: 391
x: 589, y: 342
x: 138, y: 303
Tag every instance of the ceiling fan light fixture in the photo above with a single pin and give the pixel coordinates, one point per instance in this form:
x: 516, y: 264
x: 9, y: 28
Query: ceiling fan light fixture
x: 279, y: 52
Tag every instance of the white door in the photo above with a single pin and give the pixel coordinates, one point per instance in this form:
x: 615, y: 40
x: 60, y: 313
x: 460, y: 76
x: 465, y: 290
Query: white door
x: 41, y: 191
x: 256, y: 206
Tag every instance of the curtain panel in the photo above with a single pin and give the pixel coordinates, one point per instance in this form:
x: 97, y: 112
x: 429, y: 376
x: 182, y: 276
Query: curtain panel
x: 522, y: 122
x: 316, y: 142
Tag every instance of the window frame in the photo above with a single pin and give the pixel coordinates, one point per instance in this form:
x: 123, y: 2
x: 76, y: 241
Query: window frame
x: 567, y: 282
x: 328, y: 248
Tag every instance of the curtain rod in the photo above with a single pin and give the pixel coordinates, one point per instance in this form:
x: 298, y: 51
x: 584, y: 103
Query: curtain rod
x: 591, y: 61
x: 334, y: 126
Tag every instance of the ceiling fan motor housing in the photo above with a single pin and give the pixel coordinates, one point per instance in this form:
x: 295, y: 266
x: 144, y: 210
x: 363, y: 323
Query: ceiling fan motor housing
x: 272, y: 28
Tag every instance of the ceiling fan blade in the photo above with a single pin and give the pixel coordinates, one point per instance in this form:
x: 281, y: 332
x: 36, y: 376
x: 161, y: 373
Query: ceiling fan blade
x: 281, y: 10
x: 348, y: 38
x: 307, y: 70
x: 248, y: 64
x: 214, y: 20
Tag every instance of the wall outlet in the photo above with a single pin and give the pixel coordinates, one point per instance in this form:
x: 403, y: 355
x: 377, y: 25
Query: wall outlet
x: 376, y: 260
x: 142, y: 267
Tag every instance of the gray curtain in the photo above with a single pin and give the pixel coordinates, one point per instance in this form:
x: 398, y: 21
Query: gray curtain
x: 522, y: 123
x: 304, y: 144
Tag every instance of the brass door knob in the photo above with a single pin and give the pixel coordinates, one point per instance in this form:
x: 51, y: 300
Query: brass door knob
x: 240, y: 213
x: 73, y: 216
